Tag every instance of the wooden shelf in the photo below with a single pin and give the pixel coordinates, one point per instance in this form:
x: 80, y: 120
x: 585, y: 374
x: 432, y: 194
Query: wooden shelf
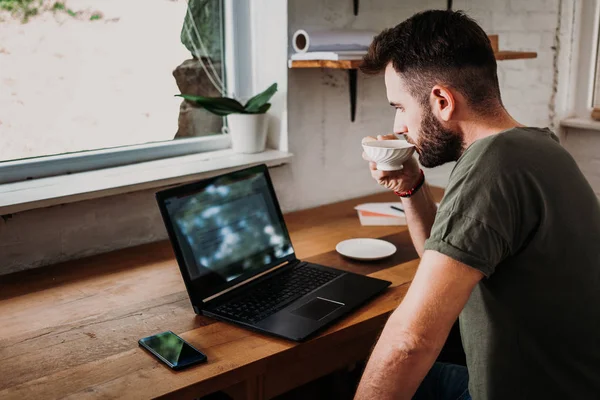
x: 354, y: 64
x: 343, y: 64
x: 514, y: 55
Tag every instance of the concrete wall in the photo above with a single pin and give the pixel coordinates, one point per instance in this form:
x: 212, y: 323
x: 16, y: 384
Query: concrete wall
x: 327, y: 166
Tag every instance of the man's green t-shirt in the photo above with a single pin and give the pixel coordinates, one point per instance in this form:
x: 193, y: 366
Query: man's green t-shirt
x: 518, y: 209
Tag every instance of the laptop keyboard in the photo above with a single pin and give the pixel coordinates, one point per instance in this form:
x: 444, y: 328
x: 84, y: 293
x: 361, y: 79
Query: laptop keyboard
x: 276, y: 293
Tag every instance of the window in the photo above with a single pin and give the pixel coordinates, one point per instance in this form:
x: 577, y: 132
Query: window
x: 89, y: 87
x: 253, y: 54
x: 583, y: 89
x: 596, y: 94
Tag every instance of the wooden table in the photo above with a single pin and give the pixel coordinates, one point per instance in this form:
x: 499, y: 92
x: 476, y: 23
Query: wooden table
x: 71, y: 330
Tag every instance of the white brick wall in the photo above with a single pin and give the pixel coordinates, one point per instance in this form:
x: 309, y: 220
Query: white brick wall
x: 527, y: 25
x: 544, y: 21
x: 327, y: 166
x: 533, y: 5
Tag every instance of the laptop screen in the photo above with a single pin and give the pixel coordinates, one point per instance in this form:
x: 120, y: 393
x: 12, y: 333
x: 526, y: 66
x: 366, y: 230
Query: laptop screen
x: 228, y: 229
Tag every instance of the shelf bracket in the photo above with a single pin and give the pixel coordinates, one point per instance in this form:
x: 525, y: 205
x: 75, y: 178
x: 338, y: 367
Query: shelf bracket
x: 352, y: 75
x: 355, y: 7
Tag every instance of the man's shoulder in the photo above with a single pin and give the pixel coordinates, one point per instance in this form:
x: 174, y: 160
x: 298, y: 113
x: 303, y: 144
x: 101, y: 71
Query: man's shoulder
x: 509, y: 150
x: 495, y: 163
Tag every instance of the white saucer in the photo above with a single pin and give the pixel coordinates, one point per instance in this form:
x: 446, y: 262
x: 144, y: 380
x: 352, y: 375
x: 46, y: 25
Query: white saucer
x: 365, y: 249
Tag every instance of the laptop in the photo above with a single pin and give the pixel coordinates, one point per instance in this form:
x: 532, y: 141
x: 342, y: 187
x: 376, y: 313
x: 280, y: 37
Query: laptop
x: 238, y: 263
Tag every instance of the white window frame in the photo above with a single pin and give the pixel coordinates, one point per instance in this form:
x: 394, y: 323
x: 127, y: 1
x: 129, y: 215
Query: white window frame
x: 579, y: 89
x: 587, y: 55
x: 40, y: 182
x: 83, y: 161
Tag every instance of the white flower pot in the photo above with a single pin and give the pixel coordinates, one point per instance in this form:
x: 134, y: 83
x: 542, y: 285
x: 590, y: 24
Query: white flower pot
x: 248, y: 132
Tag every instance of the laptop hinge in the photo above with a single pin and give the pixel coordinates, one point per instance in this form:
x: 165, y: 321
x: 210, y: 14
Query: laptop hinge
x: 275, y: 268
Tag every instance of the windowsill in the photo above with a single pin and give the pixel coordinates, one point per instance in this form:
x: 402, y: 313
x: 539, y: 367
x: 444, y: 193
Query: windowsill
x: 580, y: 123
x: 45, y: 192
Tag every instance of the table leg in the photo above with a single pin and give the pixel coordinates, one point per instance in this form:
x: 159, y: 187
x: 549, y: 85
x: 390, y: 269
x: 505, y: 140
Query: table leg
x: 255, y: 388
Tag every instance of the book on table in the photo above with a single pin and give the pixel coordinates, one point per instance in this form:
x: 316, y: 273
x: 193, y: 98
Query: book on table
x: 381, y: 213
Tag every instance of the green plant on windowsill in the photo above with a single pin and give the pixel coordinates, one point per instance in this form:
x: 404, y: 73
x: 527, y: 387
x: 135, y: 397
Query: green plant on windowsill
x: 224, y: 106
x: 247, y: 123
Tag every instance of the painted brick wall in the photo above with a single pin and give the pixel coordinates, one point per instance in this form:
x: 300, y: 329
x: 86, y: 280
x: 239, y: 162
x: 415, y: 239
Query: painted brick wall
x: 327, y: 166
x: 530, y: 25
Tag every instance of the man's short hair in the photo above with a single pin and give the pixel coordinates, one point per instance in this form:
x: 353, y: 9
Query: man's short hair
x: 439, y: 47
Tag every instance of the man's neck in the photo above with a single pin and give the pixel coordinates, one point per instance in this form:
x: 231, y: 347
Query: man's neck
x: 480, y: 127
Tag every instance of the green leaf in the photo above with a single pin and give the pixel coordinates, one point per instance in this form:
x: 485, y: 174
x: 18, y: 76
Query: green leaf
x: 95, y: 16
x: 263, y: 109
x: 214, y: 102
x: 254, y: 104
x: 220, y: 106
x: 219, y: 111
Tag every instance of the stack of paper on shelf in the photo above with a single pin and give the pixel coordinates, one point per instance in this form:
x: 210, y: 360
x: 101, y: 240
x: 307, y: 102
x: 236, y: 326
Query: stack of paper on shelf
x: 380, y: 214
x: 330, y: 45
x: 331, y: 40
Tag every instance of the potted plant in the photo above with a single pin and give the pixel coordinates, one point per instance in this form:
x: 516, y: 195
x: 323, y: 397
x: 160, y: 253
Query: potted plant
x: 247, y: 123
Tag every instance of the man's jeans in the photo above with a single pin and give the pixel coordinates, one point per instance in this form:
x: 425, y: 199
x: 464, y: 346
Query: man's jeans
x: 445, y: 382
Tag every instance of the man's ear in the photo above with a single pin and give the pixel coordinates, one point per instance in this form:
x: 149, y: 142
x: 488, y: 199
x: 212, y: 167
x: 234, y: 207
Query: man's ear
x: 442, y: 102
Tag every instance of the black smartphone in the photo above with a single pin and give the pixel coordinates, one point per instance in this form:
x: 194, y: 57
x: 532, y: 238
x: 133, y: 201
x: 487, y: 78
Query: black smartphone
x: 172, y: 350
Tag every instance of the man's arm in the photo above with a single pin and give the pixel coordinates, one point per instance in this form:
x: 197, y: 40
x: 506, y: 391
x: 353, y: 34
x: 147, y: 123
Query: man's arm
x: 417, y: 330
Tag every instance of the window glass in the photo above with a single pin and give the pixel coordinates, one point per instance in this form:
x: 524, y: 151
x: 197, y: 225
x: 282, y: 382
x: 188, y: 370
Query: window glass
x: 80, y: 75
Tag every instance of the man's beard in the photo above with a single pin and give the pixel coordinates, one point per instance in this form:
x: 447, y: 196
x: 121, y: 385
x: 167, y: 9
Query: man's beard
x: 437, y: 145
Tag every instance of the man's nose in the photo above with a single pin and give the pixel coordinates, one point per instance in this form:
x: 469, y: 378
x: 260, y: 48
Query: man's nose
x: 399, y: 125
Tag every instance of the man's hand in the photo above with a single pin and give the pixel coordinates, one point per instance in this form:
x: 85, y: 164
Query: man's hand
x: 399, y: 181
x: 420, y: 208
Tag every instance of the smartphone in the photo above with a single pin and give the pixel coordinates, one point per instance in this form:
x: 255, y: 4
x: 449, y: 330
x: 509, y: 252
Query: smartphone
x: 172, y: 350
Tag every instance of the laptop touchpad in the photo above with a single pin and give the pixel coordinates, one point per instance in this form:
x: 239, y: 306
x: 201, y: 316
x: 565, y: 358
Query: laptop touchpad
x: 317, y: 309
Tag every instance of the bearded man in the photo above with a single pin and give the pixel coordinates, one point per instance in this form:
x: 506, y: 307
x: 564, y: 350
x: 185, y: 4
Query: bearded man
x: 514, y: 247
